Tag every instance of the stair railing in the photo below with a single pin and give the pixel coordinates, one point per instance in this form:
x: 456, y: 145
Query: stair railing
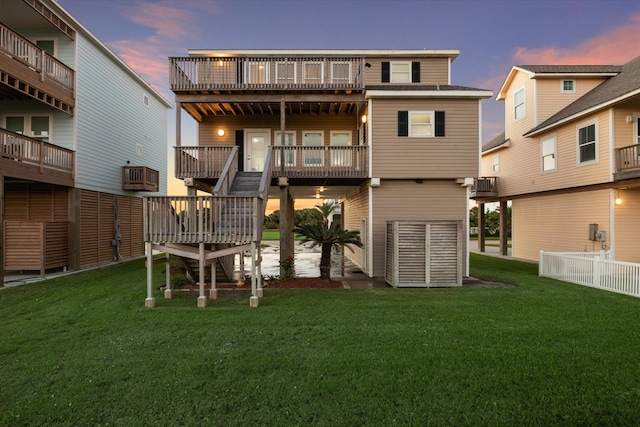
x: 228, y: 174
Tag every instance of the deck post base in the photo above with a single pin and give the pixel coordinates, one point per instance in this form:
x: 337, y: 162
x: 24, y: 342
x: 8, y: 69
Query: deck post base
x: 253, y: 302
x: 202, y: 302
x: 150, y: 302
x: 213, y: 294
x: 259, y: 292
x: 168, y: 293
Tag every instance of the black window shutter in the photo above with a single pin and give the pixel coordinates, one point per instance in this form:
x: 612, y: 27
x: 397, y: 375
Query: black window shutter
x: 386, y: 72
x: 439, y: 123
x: 415, y: 72
x: 403, y: 123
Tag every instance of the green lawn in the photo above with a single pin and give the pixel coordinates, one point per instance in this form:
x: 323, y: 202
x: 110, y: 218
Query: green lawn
x: 83, y: 350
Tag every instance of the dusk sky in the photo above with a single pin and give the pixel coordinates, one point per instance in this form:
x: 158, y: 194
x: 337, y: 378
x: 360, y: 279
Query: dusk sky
x: 492, y: 35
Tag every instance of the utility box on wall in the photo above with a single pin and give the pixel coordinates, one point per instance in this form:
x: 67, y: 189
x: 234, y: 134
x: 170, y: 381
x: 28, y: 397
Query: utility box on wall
x: 424, y: 253
x: 593, y: 230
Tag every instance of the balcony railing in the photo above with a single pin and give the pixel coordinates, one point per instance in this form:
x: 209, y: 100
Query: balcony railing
x: 35, y: 153
x: 201, y: 162
x: 320, y: 162
x: 35, y: 58
x: 140, y: 178
x: 202, y: 219
x: 627, y: 162
x: 484, y: 187
x: 266, y: 73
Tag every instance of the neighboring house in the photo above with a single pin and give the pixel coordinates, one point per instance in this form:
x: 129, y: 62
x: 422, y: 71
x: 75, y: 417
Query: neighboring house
x: 82, y: 138
x: 383, y: 131
x: 569, y: 159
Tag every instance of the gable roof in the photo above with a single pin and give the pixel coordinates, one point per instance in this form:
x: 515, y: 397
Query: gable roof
x: 622, y: 86
x: 495, y: 143
x: 542, y: 71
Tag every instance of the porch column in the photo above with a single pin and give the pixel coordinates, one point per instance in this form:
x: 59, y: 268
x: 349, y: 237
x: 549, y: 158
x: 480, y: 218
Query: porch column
x: 285, y: 225
x: 504, y: 249
x: 282, y: 137
x: 178, y: 123
x: 481, y: 225
x: 150, y: 301
x: 1, y: 231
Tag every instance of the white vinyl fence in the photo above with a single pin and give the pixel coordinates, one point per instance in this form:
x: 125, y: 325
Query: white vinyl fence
x: 594, y: 269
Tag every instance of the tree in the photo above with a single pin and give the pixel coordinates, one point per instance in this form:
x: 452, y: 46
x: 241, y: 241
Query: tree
x: 327, y: 236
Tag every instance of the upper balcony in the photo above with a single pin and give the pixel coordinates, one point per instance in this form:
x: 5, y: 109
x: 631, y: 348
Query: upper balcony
x: 140, y: 178
x: 27, y: 71
x: 627, y: 162
x: 484, y: 188
x: 219, y: 74
x: 35, y: 160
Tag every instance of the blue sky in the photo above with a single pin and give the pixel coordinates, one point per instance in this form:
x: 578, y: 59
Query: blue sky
x: 492, y: 35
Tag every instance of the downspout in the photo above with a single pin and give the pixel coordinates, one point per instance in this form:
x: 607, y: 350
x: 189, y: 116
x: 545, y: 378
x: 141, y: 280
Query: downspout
x: 612, y: 192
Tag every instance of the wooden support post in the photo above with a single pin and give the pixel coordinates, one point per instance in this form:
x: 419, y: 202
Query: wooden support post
x: 202, y: 299
x: 178, y: 124
x: 213, y: 292
x: 1, y: 231
x: 259, y: 290
x: 504, y: 248
x: 284, y: 227
x: 481, y: 225
x: 150, y: 301
x: 168, y: 292
x: 253, y: 301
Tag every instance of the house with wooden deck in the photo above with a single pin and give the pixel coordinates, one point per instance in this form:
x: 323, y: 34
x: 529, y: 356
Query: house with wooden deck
x: 385, y: 132
x: 568, y: 160
x: 82, y: 138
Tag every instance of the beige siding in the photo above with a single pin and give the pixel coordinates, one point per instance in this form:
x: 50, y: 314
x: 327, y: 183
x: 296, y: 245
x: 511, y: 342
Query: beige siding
x: 356, y: 209
x: 207, y: 131
x: 515, y: 129
x: 624, y: 132
x: 432, y: 70
x: 558, y: 223
x: 407, y: 200
x: 551, y: 99
x: 452, y: 156
x: 520, y: 165
x: 627, y: 239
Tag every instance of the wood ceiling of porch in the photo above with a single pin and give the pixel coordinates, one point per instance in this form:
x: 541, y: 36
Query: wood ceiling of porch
x: 198, y: 109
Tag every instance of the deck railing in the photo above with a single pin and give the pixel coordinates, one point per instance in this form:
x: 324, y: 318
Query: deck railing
x: 484, y: 187
x: 201, y: 219
x: 628, y: 158
x: 593, y: 269
x: 21, y: 49
x: 36, y: 152
x: 140, y: 178
x: 201, y: 162
x: 215, y: 73
x: 320, y: 162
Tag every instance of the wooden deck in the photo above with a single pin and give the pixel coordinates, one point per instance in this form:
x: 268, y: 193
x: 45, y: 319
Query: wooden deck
x: 140, y: 178
x: 30, y: 72
x: 627, y: 162
x: 484, y: 187
x: 32, y: 159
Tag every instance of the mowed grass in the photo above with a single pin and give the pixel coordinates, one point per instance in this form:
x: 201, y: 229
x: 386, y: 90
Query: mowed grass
x: 83, y: 350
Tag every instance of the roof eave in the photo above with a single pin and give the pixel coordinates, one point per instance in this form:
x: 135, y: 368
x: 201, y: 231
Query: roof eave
x: 428, y: 94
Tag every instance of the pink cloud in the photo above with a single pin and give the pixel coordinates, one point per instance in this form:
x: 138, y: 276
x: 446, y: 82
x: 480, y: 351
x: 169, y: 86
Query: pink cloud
x: 616, y: 47
x: 170, y: 22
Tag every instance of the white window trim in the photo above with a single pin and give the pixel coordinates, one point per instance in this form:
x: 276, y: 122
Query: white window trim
x: 432, y: 121
x: 247, y: 71
x: 339, y: 157
x: 596, y: 142
x: 276, y: 141
x: 555, y: 153
x: 391, y: 64
x: 304, y: 156
x: 295, y: 72
x: 333, y: 132
x: 524, y: 103
x: 335, y: 79
x: 563, y: 90
x: 311, y: 80
x: 495, y: 163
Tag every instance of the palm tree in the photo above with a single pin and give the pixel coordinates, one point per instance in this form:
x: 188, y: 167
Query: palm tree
x: 327, y: 236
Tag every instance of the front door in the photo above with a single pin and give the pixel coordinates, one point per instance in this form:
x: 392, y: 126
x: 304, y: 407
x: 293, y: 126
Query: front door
x: 255, y: 149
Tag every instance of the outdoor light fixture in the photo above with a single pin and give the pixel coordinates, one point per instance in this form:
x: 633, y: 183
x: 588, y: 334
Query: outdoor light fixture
x: 367, y: 65
x: 364, y: 118
x: 617, y: 200
x: 221, y: 132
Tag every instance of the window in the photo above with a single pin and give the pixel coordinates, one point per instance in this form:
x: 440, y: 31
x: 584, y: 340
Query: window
x: 341, y: 138
x: 139, y: 150
x: 421, y: 124
x: 289, y: 141
x: 587, y: 143
x: 48, y: 45
x: 34, y: 126
x: 495, y: 163
x: 568, y: 86
x: 285, y: 72
x: 401, y: 72
x: 341, y: 72
x: 548, y: 152
x: 313, y: 157
x: 519, y: 110
x: 313, y: 72
x: 145, y: 100
x: 257, y: 72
